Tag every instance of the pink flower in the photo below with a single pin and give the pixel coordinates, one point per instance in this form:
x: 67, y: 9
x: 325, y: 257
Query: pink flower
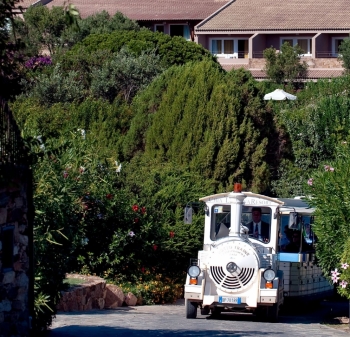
x: 329, y: 168
x: 309, y: 182
x: 345, y: 265
x: 65, y: 174
x: 335, y: 278
x: 155, y: 247
x: 343, y: 284
x: 335, y: 272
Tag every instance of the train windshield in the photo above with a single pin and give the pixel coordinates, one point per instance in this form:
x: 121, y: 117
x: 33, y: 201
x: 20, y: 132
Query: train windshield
x: 258, y: 222
x: 221, y: 221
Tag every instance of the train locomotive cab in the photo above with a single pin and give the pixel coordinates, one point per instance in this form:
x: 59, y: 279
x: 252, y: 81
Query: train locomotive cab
x: 238, y: 268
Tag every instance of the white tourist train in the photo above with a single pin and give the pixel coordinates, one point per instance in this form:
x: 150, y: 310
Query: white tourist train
x: 253, y: 266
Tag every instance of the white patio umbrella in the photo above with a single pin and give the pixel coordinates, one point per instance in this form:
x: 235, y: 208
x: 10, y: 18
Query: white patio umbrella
x: 279, y: 95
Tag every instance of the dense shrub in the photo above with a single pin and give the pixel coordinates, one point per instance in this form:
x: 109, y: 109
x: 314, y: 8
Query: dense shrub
x: 56, y: 87
x: 124, y: 74
x: 172, y: 50
x: 315, y: 125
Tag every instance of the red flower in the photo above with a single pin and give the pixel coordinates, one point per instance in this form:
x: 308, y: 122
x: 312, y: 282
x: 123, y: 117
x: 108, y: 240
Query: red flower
x: 135, y: 208
x: 136, y: 220
x: 143, y: 210
x: 65, y: 174
x: 109, y: 196
x: 155, y: 247
x: 172, y: 234
x: 143, y: 269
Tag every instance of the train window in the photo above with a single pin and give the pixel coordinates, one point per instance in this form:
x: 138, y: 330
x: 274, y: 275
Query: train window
x: 296, y: 240
x: 221, y: 221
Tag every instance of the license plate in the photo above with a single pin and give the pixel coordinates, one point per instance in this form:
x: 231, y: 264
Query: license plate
x: 228, y: 299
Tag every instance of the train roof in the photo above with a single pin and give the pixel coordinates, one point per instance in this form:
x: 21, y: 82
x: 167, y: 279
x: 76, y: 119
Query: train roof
x: 299, y: 205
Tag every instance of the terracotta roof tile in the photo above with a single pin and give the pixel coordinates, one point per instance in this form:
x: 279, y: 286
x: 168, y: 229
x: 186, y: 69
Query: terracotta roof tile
x: 145, y: 9
x: 256, y: 15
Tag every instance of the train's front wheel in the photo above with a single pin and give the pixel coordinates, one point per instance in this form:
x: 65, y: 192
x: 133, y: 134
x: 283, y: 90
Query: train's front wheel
x: 191, y: 309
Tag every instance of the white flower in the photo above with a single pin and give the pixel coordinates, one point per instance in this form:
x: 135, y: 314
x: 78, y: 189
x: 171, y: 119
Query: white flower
x: 83, y: 133
x: 84, y: 241
x: 119, y: 167
x: 131, y: 233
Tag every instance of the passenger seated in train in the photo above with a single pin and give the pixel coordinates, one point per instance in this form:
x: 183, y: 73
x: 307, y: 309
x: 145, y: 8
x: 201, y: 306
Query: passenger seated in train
x: 297, y: 244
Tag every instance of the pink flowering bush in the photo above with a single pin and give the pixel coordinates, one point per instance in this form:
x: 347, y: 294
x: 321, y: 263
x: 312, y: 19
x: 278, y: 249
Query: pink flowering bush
x: 341, y: 276
x: 329, y: 194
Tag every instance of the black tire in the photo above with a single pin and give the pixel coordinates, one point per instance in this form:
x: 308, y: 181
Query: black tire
x: 216, y: 312
x: 191, y: 309
x: 272, y: 313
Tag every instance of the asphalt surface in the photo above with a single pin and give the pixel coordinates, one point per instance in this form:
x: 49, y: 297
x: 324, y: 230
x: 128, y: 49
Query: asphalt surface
x: 169, y: 320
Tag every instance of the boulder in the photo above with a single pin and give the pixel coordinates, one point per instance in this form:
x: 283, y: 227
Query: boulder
x: 114, y: 297
x: 130, y: 299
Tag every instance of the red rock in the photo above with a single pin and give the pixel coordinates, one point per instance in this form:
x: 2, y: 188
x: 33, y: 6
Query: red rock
x: 114, y: 296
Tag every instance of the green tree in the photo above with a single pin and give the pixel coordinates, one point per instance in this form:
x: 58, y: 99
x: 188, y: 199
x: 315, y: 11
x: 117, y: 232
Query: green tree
x: 10, y: 45
x: 212, y: 122
x: 285, y: 65
x: 61, y: 27
x: 42, y: 28
x: 99, y: 23
x: 344, y: 54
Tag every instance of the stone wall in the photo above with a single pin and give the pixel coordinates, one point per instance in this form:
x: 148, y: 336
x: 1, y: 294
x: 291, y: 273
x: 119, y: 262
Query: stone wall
x: 14, y: 254
x: 94, y: 293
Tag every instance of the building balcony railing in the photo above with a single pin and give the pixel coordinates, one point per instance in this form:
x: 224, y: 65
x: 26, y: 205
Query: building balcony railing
x: 326, y: 54
x: 319, y: 54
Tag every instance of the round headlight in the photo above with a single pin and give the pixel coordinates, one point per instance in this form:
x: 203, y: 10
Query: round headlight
x: 269, y: 274
x: 193, y: 271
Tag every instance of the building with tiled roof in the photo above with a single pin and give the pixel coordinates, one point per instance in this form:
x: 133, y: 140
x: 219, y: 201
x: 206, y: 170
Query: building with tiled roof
x: 238, y: 31
x: 244, y: 28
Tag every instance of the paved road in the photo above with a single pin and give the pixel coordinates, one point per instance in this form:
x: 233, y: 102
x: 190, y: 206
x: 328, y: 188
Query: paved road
x: 169, y: 320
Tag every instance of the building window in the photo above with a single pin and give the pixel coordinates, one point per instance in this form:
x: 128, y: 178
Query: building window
x: 180, y: 30
x: 304, y: 43
x: 337, y: 41
x: 230, y: 48
x: 159, y: 28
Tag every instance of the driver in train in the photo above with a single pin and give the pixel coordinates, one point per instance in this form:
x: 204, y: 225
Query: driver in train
x: 257, y: 228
